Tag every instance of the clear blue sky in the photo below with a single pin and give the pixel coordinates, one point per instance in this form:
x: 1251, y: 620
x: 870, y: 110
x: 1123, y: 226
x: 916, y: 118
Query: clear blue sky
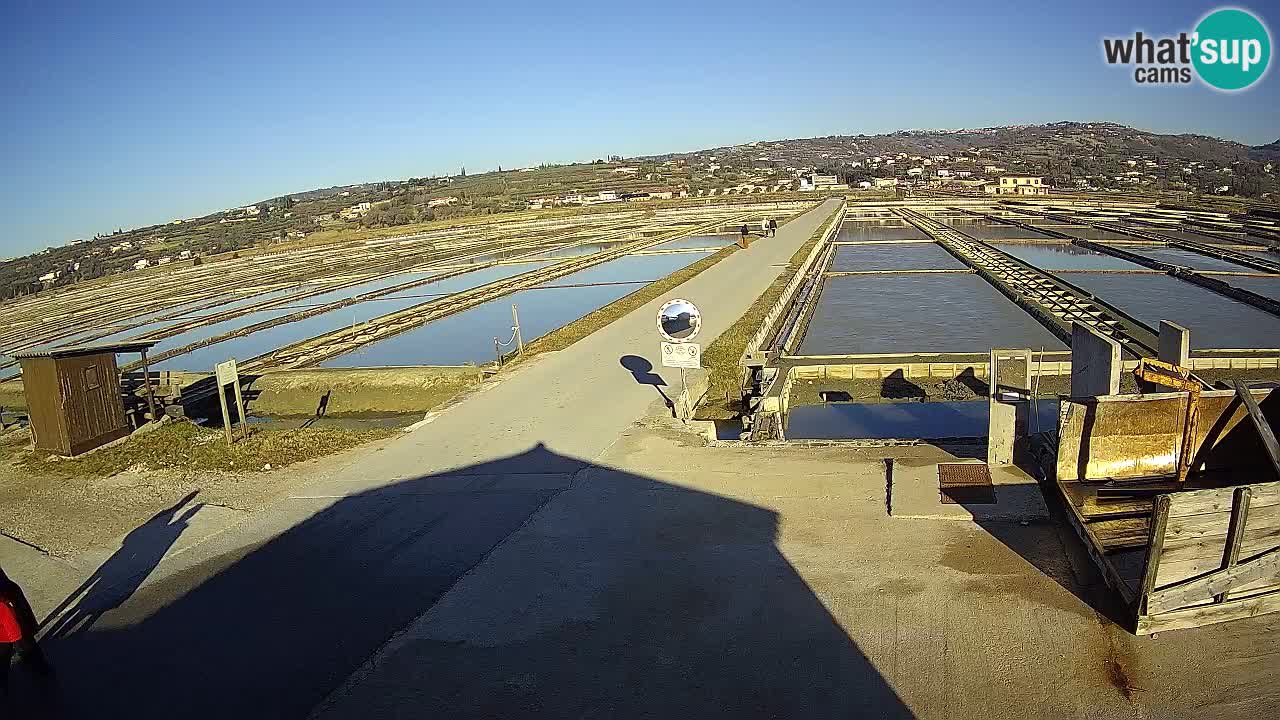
x: 119, y: 114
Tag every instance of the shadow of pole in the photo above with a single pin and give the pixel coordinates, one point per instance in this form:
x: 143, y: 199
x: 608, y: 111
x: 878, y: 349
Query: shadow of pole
x: 624, y: 597
x: 642, y: 371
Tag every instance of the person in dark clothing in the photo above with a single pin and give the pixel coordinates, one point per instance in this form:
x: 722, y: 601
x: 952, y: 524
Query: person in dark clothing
x: 742, y: 242
x: 773, y: 227
x: 18, y: 628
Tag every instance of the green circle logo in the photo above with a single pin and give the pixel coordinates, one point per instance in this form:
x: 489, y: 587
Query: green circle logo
x: 1232, y: 49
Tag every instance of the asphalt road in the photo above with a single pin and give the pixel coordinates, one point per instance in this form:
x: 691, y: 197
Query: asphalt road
x: 267, y: 618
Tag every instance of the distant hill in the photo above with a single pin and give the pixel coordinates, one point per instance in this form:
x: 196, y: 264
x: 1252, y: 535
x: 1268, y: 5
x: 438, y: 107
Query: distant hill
x: 321, y: 194
x: 1058, y: 139
x: 1265, y: 153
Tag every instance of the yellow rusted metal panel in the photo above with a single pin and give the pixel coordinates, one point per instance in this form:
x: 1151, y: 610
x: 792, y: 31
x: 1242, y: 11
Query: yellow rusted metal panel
x: 1129, y: 436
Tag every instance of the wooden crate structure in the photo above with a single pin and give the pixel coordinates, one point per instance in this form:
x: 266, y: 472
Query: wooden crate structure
x: 1180, y: 556
x: 1214, y: 556
x: 73, y: 395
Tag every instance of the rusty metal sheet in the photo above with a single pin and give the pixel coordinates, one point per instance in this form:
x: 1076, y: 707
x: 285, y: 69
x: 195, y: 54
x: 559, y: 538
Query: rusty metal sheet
x: 1133, y: 436
x: 965, y: 484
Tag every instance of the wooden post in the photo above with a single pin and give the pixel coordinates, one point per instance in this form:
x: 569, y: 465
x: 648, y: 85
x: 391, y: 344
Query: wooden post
x: 1235, y: 534
x: 1155, y: 546
x: 1260, y: 422
x: 244, y: 422
x: 146, y: 380
x: 226, y: 416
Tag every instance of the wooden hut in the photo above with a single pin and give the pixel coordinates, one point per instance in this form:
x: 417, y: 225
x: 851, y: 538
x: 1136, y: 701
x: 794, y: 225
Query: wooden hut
x: 73, y: 395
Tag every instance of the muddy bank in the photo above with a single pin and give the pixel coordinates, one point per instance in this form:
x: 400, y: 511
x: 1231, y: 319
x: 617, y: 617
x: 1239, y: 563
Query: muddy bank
x: 968, y: 387
x: 902, y: 389
x: 11, y: 395
x: 341, y: 392
x: 357, y: 392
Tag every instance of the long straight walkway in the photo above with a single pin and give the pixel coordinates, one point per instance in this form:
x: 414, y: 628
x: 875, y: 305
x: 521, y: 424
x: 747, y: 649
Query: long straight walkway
x: 579, y: 400
x: 269, y: 617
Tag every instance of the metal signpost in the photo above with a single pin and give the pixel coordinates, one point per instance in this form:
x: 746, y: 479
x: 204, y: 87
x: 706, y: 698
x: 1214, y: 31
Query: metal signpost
x: 226, y: 374
x: 678, y: 323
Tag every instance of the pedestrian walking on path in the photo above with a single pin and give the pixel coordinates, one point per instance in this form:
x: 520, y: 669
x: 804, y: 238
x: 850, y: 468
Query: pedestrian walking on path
x: 743, y: 241
x: 17, y: 633
x: 773, y: 227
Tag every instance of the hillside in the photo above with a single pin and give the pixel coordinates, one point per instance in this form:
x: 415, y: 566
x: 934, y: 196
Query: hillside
x: 1265, y: 153
x: 1060, y: 138
x: 1071, y: 155
x: 1061, y: 150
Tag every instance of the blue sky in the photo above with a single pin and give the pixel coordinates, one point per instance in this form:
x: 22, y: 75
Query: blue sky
x: 119, y: 114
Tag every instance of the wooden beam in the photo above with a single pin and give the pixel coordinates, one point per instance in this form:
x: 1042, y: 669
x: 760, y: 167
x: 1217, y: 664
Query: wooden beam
x: 1159, y: 520
x: 146, y: 380
x: 1260, y: 422
x: 1197, y: 588
x: 1235, y: 534
x: 1219, y: 500
x: 1092, y: 546
x: 1122, y: 533
x: 1209, y: 614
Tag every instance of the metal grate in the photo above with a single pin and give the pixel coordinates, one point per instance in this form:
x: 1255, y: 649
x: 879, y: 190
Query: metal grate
x: 965, y: 484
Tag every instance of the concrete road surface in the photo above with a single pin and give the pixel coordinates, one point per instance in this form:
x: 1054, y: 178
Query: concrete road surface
x: 771, y: 582
x: 266, y: 618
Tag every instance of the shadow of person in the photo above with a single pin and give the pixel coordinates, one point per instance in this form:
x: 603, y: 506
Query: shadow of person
x: 532, y: 585
x: 642, y: 371
x: 123, y: 573
x: 970, y: 380
x: 896, y: 386
x: 321, y: 409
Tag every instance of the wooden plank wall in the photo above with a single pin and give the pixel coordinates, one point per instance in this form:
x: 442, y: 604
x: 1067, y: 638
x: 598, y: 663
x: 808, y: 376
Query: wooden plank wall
x: 44, y: 405
x: 94, y: 415
x: 1198, y: 537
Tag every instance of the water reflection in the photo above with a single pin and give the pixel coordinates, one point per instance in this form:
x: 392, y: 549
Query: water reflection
x: 1264, y: 286
x: 1187, y: 258
x: 918, y: 313
x: 891, y: 230
x: 906, y: 256
x: 1066, y: 256
x: 697, y: 241
x: 467, y: 337
x: 902, y: 420
x: 989, y: 230
x: 1215, y: 321
x: 271, y: 338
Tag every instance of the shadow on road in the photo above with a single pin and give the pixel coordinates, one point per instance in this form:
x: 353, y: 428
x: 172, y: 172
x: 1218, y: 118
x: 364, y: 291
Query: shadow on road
x: 625, y: 597
x: 123, y: 573
x: 642, y: 371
